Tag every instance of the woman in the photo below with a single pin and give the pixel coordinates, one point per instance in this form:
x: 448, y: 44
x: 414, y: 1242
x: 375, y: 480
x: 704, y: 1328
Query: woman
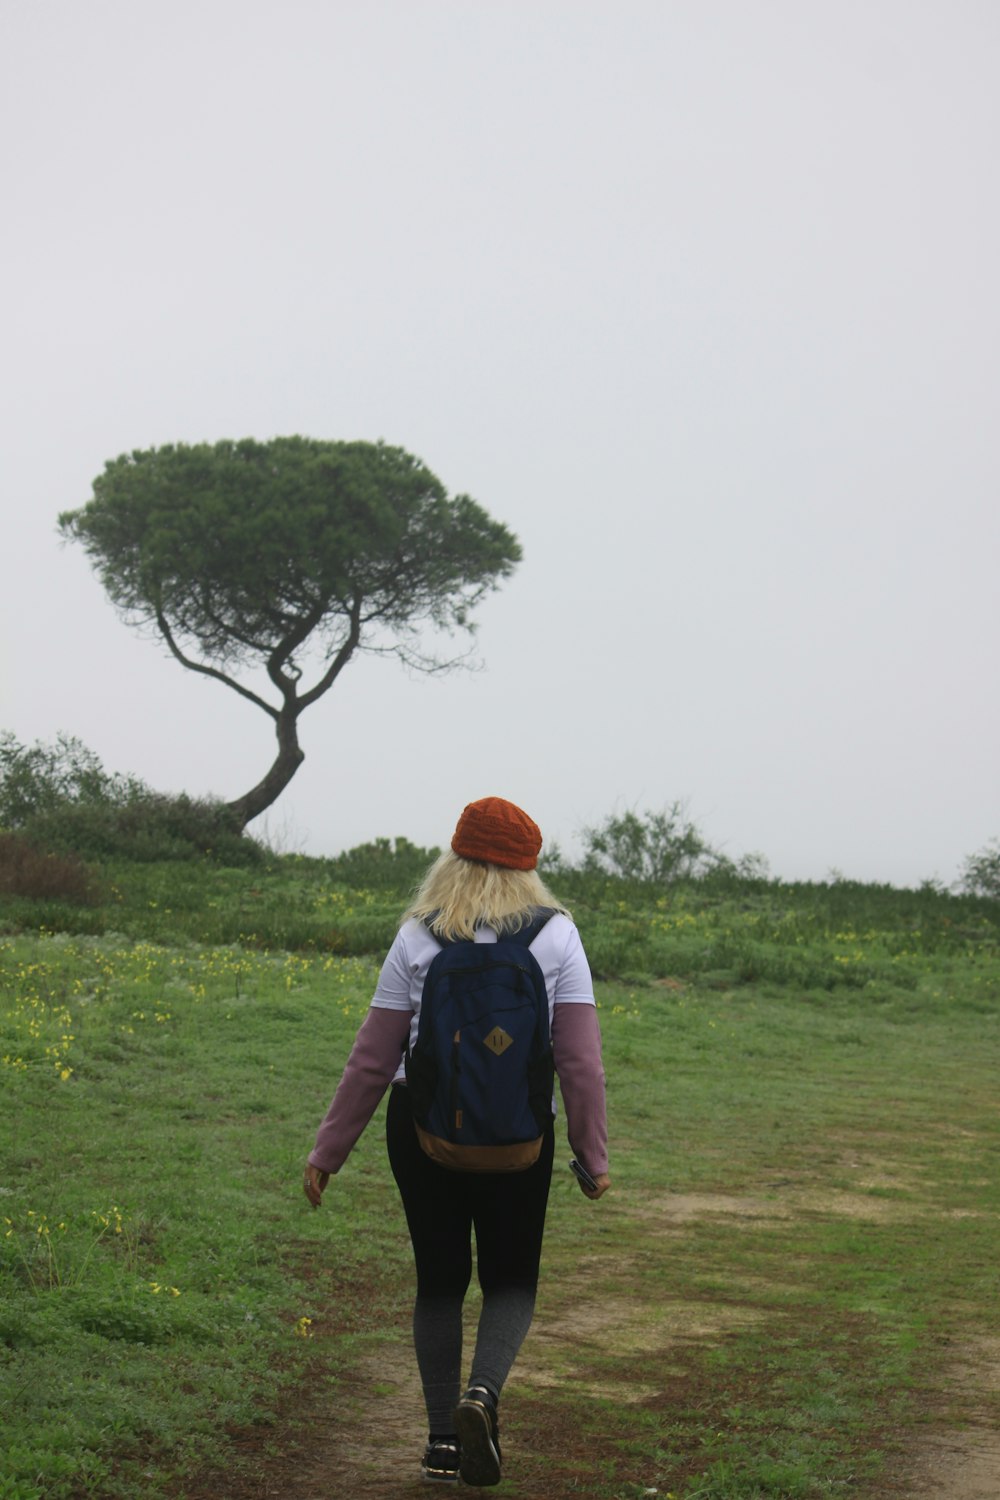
x: 484, y: 888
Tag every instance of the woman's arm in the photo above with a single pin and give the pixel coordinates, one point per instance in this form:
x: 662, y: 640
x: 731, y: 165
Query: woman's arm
x: 576, y: 1046
x: 369, y: 1070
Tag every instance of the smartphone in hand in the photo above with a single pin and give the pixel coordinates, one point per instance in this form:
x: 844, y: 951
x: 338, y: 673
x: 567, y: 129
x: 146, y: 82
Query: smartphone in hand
x: 584, y: 1175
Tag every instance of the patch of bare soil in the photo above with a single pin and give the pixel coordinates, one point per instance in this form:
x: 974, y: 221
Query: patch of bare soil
x: 963, y: 1463
x: 958, y: 1466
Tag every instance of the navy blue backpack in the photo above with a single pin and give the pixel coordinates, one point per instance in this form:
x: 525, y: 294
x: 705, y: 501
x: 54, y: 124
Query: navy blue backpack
x: 480, y: 1072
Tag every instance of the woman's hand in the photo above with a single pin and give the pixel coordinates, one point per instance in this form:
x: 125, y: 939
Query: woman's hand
x: 313, y: 1184
x: 601, y: 1185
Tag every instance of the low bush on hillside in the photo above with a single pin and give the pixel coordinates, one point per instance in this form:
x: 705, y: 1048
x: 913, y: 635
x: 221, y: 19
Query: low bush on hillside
x: 393, y: 864
x: 147, y: 828
x: 659, y: 847
x: 39, y: 779
x: 62, y: 799
x: 981, y: 872
x: 39, y: 875
x: 654, y: 846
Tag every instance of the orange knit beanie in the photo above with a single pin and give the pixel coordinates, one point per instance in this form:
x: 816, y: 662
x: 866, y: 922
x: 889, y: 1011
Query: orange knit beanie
x: 498, y: 833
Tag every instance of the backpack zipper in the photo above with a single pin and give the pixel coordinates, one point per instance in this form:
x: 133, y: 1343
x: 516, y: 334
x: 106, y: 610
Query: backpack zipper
x: 456, y: 1069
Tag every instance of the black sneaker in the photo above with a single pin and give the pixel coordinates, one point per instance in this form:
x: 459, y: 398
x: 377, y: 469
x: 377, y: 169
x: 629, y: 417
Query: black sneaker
x: 439, y: 1464
x: 476, y: 1424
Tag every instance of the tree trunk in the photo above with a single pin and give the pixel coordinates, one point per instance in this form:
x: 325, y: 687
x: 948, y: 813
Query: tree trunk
x: 290, y: 756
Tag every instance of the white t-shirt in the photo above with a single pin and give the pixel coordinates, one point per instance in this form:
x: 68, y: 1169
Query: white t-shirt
x: 557, y: 948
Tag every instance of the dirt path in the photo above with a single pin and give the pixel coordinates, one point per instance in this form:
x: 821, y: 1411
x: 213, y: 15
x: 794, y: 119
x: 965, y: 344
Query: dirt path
x: 964, y: 1463
x: 363, y: 1437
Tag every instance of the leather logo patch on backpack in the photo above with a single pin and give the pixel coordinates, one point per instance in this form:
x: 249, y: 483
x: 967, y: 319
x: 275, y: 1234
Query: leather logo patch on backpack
x: 498, y: 1041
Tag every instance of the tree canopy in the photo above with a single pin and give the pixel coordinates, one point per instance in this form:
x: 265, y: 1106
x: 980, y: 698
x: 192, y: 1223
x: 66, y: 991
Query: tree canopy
x: 289, y: 555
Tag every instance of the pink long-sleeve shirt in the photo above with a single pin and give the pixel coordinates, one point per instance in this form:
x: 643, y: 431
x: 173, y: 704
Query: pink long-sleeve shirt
x: 375, y: 1060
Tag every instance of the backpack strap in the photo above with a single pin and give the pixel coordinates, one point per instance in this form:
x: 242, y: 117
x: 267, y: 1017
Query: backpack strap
x: 525, y: 935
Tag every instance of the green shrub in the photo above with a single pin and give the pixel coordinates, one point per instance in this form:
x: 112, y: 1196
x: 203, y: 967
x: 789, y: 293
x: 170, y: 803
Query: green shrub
x: 61, y: 798
x: 658, y: 847
x: 147, y: 828
x: 981, y: 872
x: 44, y: 876
x: 393, y: 864
x: 37, y: 779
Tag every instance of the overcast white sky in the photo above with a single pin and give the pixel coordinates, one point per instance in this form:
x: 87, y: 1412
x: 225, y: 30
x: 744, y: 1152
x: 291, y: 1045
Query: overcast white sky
x: 698, y: 296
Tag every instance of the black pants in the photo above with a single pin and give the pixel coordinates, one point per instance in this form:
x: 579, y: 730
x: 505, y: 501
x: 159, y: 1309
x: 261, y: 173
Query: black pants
x: 507, y: 1210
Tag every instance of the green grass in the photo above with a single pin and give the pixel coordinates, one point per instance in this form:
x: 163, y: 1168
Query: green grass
x: 841, y: 1201
x: 801, y: 1234
x: 148, y: 1197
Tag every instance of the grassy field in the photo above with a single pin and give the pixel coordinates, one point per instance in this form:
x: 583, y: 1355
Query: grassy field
x: 799, y: 1247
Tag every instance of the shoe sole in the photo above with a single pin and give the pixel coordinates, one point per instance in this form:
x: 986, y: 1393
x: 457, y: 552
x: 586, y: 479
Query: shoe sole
x: 431, y: 1474
x: 480, y: 1460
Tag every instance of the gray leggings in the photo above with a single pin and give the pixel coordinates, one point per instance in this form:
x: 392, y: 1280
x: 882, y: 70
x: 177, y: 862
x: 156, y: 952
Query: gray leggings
x: 507, y: 1211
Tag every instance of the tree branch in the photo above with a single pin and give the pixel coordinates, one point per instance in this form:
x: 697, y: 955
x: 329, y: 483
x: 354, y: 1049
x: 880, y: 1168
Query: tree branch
x: 226, y: 628
x: 197, y: 666
x: 340, y: 661
x: 284, y: 681
x: 424, y: 662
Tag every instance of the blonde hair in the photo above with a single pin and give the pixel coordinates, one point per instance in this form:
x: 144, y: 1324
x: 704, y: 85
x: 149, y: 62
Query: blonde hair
x: 458, y: 895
